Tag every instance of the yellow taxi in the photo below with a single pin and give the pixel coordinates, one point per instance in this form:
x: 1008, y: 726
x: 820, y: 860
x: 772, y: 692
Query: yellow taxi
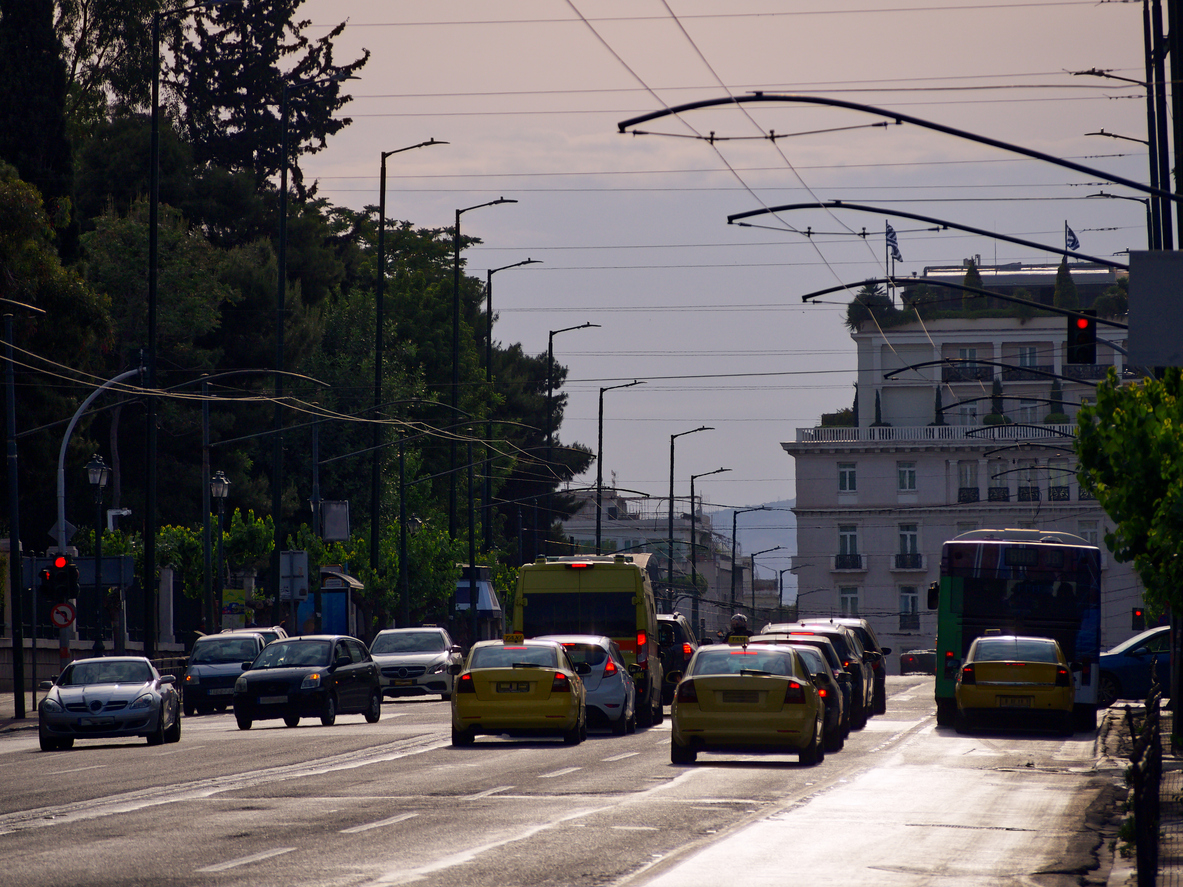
x: 1009, y: 679
x: 521, y: 688
x: 747, y: 699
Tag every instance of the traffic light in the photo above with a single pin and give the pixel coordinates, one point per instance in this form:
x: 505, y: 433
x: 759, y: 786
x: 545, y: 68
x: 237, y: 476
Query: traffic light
x: 63, y: 578
x: 1082, y: 337
x: 1138, y: 619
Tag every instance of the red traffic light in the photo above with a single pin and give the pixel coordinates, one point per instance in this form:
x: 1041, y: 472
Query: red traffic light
x: 1082, y: 323
x: 60, y: 562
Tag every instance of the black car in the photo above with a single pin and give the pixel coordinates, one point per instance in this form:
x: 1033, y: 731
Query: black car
x: 866, y: 634
x: 918, y: 662
x: 856, y: 661
x: 676, y: 644
x: 314, y: 676
x: 830, y: 655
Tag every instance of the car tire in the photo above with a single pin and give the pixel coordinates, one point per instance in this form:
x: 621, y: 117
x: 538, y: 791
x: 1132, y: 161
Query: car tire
x: 858, y: 718
x: 48, y: 743
x: 946, y: 713
x: 620, y: 725
x: 463, y: 738
x: 292, y: 720
x: 1067, y: 726
x: 188, y: 708
x: 1085, y: 717
x: 173, y: 733
x: 244, y: 723
x: 961, y: 724
x: 632, y: 722
x: 374, y: 712
x: 812, y: 754
x: 156, y: 737
x: 834, y: 740
x: 572, y: 736
x: 644, y: 716
x: 680, y: 755
x: 880, y: 704
x: 328, y: 716
x: 1108, y: 690
x: 446, y: 697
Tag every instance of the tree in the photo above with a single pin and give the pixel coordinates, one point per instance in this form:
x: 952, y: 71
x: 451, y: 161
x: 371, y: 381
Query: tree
x: 1131, y: 460
x: 972, y: 278
x: 1065, y: 293
x: 870, y: 304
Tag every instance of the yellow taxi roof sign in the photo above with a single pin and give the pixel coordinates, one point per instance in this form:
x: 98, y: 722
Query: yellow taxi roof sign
x: 513, y: 637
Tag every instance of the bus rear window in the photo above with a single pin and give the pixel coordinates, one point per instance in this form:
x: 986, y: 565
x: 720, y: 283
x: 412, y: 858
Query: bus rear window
x: 609, y: 613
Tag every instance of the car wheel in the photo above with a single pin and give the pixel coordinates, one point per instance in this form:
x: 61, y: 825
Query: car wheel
x: 48, y: 743
x: 156, y: 737
x: 658, y: 714
x: 960, y: 723
x: 1086, y: 718
x: 1108, y: 690
x: 374, y: 712
x: 328, y: 717
x: 173, y: 734
x: 446, y: 697
x: 880, y: 706
x: 834, y: 741
x: 632, y: 722
x: 620, y: 725
x: 680, y: 755
x: 858, y: 718
x: 812, y: 754
x: 188, y: 708
x: 644, y: 716
x: 1067, y: 724
x: 946, y: 713
x: 571, y: 737
x: 244, y: 723
x: 292, y: 720
x: 462, y: 738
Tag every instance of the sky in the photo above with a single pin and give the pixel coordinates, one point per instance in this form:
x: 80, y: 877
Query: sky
x: 630, y: 232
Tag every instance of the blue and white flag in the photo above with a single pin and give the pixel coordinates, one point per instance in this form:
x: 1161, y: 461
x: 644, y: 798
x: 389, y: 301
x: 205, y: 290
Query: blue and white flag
x: 1070, y: 240
x: 893, y: 243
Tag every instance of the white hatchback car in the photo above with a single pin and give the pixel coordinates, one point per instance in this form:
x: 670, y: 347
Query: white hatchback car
x: 414, y: 661
x: 611, y: 692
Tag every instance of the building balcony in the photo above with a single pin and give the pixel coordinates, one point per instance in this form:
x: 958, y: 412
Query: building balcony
x: 1059, y: 494
x: 907, y: 560
x: 1084, y: 370
x: 1028, y: 374
x: 939, y: 433
x: 1029, y: 494
x: 998, y: 494
x: 968, y: 494
x: 848, y: 562
x: 966, y: 373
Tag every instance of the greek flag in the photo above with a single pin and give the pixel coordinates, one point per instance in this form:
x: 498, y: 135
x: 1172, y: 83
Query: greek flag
x: 894, y: 244
x: 1070, y: 240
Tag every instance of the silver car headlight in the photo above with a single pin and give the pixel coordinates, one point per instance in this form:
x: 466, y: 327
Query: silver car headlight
x: 142, y: 703
x: 438, y: 668
x: 311, y: 682
x: 240, y: 685
x: 51, y: 705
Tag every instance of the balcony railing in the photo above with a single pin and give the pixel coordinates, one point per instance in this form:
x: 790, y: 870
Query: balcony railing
x: 1028, y: 374
x: 909, y: 560
x: 1058, y: 494
x: 998, y: 494
x: 848, y: 562
x: 968, y: 494
x: 1029, y: 494
x: 986, y: 433
x: 966, y: 373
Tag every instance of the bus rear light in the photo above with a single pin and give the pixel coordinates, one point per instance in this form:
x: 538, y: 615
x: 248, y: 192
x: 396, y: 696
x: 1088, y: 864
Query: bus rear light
x: 687, y: 692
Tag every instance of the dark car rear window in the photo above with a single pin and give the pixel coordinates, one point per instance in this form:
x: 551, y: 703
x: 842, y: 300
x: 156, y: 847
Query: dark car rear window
x: 592, y: 654
x: 609, y: 613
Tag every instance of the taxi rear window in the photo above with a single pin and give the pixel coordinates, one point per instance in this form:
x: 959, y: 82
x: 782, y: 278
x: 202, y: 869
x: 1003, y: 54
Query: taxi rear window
x: 731, y: 661
x: 505, y: 657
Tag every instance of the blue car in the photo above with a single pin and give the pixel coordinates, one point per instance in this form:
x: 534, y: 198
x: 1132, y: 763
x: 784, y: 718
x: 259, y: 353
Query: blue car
x: 1125, y: 670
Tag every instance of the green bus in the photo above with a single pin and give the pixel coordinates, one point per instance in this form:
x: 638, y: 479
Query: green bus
x: 1025, y: 582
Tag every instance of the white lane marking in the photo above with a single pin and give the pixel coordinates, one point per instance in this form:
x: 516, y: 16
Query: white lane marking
x: 246, y: 860
x: 80, y: 769
x: 627, y: 754
x: 402, y: 817
x: 562, y: 772
x: 635, y: 828
x: 486, y: 793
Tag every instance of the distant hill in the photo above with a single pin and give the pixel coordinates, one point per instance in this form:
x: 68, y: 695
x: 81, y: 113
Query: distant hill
x: 761, y: 530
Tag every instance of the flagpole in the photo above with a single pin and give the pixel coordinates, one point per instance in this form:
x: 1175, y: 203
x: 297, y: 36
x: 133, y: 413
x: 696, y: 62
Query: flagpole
x: 888, y: 262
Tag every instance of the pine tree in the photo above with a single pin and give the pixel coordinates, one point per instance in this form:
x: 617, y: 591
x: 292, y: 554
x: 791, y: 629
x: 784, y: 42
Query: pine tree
x: 1065, y: 295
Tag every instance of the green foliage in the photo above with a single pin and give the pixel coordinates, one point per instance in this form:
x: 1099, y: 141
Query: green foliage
x: 1131, y: 459
x: 973, y: 278
x: 249, y: 541
x: 840, y: 419
x: 181, y: 549
x: 870, y: 305
x: 1065, y: 293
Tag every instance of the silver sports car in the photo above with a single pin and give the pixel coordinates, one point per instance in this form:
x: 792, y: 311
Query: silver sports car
x: 109, y: 698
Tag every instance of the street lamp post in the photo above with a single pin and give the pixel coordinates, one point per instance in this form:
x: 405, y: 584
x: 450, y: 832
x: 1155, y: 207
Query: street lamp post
x: 219, y: 488
x: 379, y: 317
x: 549, y: 476
x: 456, y: 355
x: 734, y: 530
x: 670, y: 571
x: 600, y: 456
x: 98, y: 474
x: 780, y: 586
x: 753, y: 557
x: 694, y: 546
x: 487, y: 493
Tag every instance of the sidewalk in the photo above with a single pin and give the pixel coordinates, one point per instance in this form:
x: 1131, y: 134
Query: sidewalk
x: 8, y: 721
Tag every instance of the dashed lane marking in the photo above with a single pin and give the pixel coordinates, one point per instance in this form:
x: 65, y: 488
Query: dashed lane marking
x: 402, y: 817
x: 246, y: 860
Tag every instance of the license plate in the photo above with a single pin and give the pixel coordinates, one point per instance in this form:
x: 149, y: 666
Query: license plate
x: 403, y: 683
x: 740, y: 697
x: 272, y: 700
x: 95, y: 722
x: 513, y: 687
x: 1014, y: 701
x: 222, y: 691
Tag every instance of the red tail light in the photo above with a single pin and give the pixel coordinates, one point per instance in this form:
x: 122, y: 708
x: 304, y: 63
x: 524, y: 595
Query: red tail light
x: 823, y: 692
x: 609, y: 668
x: 968, y: 676
x: 795, y: 694
x: 560, y: 684
x: 465, y: 685
x: 687, y: 692
x: 1063, y: 677
x: 687, y: 652
x: 642, y: 647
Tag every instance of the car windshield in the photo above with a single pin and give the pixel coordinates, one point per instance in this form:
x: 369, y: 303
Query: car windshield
x: 208, y: 651
x: 813, y: 660
x: 592, y: 654
x: 727, y: 660
x: 498, y: 656
x: 409, y: 642
x: 294, y: 654
x: 105, y: 672
x: 1006, y: 649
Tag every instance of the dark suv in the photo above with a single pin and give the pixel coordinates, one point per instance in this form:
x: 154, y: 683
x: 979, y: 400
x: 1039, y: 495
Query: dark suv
x: 856, y: 660
x: 676, y: 644
x: 866, y: 634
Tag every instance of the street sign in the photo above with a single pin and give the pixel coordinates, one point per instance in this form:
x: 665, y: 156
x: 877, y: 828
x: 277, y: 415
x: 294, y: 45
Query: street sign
x: 62, y: 615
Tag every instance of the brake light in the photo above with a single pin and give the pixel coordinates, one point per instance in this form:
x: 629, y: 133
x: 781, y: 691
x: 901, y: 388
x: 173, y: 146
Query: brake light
x: 1063, y: 677
x: 560, y: 684
x: 968, y: 676
x: 686, y: 651
x: 580, y: 566
x: 642, y: 647
x: 823, y: 692
x: 609, y: 668
x: 687, y: 692
x: 465, y: 685
x: 795, y: 694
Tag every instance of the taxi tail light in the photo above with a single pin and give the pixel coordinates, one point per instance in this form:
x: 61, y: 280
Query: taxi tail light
x: 967, y: 675
x: 686, y: 651
x: 1063, y: 677
x: 609, y: 667
x: 687, y: 692
x: 560, y: 684
x: 642, y: 648
x: 465, y: 685
x: 794, y: 694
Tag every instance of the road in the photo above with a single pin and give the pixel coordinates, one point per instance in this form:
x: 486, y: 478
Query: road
x: 394, y: 803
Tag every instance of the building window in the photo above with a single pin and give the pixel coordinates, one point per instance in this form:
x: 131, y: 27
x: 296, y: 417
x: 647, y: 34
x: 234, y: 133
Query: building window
x: 967, y: 481
x: 848, y: 556
x: 908, y: 557
x: 1028, y: 411
x: 848, y: 601
x: 970, y: 356
x: 1089, y: 531
x: 999, y: 483
x: 846, y: 477
x: 1058, y: 476
x: 1027, y: 356
x: 967, y: 414
x: 906, y: 476
x: 909, y: 608
x: 1028, y: 481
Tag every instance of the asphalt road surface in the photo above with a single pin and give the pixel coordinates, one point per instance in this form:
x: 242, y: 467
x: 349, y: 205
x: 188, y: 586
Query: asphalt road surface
x: 393, y: 803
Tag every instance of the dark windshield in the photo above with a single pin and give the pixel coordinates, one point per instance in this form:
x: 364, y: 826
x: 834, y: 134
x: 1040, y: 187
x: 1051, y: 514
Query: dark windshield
x: 609, y: 613
x: 592, y: 654
x: 100, y: 671
x: 732, y: 660
x: 1006, y: 649
x: 208, y: 651
x: 294, y: 654
x: 409, y: 642
x: 505, y: 656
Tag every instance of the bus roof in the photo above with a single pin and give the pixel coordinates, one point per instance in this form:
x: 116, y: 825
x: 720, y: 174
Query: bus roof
x: 1011, y: 534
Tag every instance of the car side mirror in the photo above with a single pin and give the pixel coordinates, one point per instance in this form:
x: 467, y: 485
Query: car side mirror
x: 887, y: 651
x: 455, y: 648
x: 168, y: 679
x: 843, y: 677
x: 871, y: 656
x: 582, y: 668
x: 673, y: 677
x: 246, y: 666
x: 635, y: 670
x: 45, y: 685
x: 455, y: 668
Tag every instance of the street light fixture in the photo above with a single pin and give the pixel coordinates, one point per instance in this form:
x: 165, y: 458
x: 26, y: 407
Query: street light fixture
x: 219, y: 488
x: 600, y: 456
x: 456, y: 354
x: 549, y: 475
x: 487, y: 494
x: 753, y: 557
x: 734, y: 532
x: 379, y: 317
x: 670, y: 571
x: 694, y: 546
x: 98, y: 474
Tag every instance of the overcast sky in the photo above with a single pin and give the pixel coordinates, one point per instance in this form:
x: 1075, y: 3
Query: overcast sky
x: 632, y: 230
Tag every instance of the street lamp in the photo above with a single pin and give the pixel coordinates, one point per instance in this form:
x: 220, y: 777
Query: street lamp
x: 694, y: 545
x: 734, y: 531
x: 98, y: 474
x: 379, y: 316
x: 219, y: 488
x: 600, y: 456
x: 550, y: 363
x: 753, y: 557
x: 780, y: 586
x: 673, y: 437
x: 456, y: 355
x: 280, y: 297
x: 1145, y: 201
x: 487, y: 495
